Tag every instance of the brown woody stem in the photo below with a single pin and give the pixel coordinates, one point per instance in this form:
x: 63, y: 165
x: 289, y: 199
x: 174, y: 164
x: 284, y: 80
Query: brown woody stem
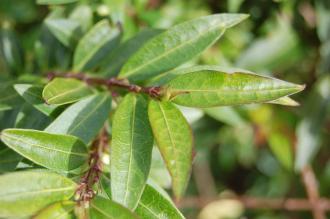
x: 154, y: 91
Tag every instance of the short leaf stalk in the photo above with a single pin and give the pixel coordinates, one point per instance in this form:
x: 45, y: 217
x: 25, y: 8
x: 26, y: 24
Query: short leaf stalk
x: 153, y: 91
x: 85, y: 192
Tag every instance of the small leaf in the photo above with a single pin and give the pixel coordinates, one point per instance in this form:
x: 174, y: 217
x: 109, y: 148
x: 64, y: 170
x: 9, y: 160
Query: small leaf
x: 153, y: 205
x: 56, y: 152
x: 33, y: 95
x: 101, y: 208
x: 175, y: 141
x: 118, y: 58
x: 177, y: 45
x: 65, y: 90
x: 54, y: 2
x: 131, y: 150
x: 59, y: 210
x: 24, y: 193
x: 95, y: 45
x: 83, y: 119
x: 66, y: 31
x: 209, y: 88
x: 285, y: 101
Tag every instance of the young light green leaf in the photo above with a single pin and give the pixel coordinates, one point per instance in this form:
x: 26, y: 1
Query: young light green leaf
x: 56, y: 152
x: 285, y: 101
x: 153, y: 205
x: 83, y: 119
x: 65, y: 90
x: 33, y: 95
x: 101, y: 208
x: 118, y: 58
x: 175, y: 141
x: 131, y: 150
x: 177, y: 45
x: 26, y: 192
x: 59, y: 210
x: 54, y: 2
x: 66, y: 31
x: 209, y: 88
x: 95, y: 45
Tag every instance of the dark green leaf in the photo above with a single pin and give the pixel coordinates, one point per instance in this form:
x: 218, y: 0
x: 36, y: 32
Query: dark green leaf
x: 59, y: 210
x: 95, y: 45
x: 177, y: 45
x: 153, y: 205
x: 65, y: 90
x: 24, y: 193
x: 83, y: 119
x: 54, y: 2
x: 101, y: 208
x: 57, y: 152
x: 9, y: 97
x: 131, y: 149
x: 8, y: 159
x: 175, y: 141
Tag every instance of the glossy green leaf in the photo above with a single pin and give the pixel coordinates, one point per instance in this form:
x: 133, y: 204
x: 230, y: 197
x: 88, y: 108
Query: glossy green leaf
x: 59, y: 210
x: 101, y: 208
x: 26, y: 192
x: 65, y: 90
x: 83, y: 119
x: 177, y: 45
x: 153, y: 205
x: 56, y: 152
x: 175, y: 141
x: 209, y: 88
x: 33, y: 95
x: 131, y: 150
x: 118, y: 58
x: 66, y: 31
x: 54, y: 2
x: 8, y: 159
x: 95, y: 45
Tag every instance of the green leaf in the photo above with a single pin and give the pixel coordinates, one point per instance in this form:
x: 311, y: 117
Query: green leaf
x: 54, y: 2
x: 9, y: 97
x: 175, y: 141
x: 33, y: 95
x: 177, y: 45
x: 282, y: 149
x: 118, y: 58
x: 131, y: 150
x: 59, y: 210
x: 285, y: 101
x: 82, y: 14
x: 66, y: 31
x: 56, y: 152
x: 101, y: 208
x: 95, y: 45
x: 8, y: 159
x: 153, y: 205
x: 83, y: 119
x: 65, y: 90
x: 24, y: 193
x: 209, y: 88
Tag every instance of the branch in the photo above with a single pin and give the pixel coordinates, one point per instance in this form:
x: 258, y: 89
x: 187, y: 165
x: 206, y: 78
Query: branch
x: 154, y: 91
x: 290, y: 204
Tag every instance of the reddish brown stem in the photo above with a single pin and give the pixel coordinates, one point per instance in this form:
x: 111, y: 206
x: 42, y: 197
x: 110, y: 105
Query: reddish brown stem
x: 154, y: 91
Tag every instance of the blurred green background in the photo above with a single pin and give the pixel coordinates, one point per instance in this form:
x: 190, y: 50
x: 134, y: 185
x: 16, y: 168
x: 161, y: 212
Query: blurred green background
x: 253, y: 150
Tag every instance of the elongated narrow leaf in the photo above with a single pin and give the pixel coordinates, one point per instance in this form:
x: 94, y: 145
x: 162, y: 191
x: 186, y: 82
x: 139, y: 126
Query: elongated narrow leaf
x: 209, y: 88
x: 59, y: 210
x: 153, y: 205
x: 174, y: 139
x: 83, y: 119
x: 57, y: 152
x: 130, y: 150
x: 118, y: 58
x: 177, y: 45
x: 54, y: 2
x: 33, y: 95
x: 8, y: 159
x: 285, y: 101
x: 66, y: 31
x: 95, y: 45
x: 26, y: 192
x: 65, y: 90
x: 101, y: 208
